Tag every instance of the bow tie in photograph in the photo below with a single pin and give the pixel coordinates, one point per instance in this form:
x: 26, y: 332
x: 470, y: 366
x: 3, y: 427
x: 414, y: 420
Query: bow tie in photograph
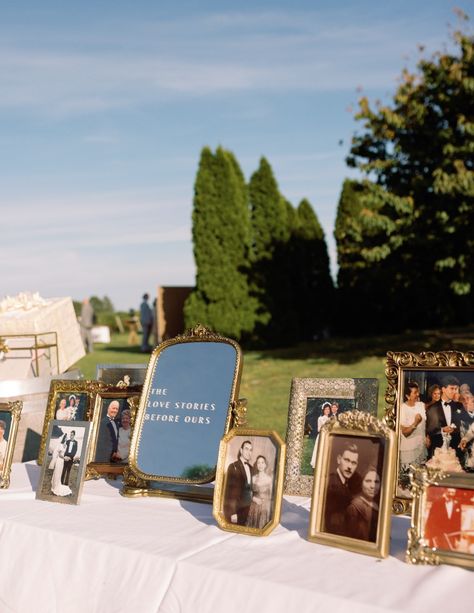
x: 447, y: 404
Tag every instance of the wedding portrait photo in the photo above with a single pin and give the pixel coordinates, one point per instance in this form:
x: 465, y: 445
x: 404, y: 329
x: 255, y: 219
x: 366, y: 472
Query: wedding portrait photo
x: 62, y: 472
x: 435, y: 422
x: 71, y: 406
x: 249, y: 482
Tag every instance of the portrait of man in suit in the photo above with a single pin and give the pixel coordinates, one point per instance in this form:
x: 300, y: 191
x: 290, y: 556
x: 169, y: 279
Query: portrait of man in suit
x: 443, y: 524
x: 238, y: 488
x: 70, y: 451
x: 444, y: 418
x: 107, y: 441
x: 342, y: 484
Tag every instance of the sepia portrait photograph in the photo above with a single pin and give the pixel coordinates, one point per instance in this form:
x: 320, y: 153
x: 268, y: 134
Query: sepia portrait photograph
x: 435, y: 420
x: 313, y: 402
x: 353, y: 484
x: 249, y: 482
x: 62, y: 473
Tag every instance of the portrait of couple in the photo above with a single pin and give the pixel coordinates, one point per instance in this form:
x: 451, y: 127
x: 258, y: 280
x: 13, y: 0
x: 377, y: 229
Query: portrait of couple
x: 113, y: 440
x: 62, y: 472
x: 353, y: 486
x: 249, y: 481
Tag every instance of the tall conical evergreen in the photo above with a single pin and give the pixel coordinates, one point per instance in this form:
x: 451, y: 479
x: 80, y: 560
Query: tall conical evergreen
x: 270, y: 284
x: 313, y: 286
x: 221, y: 238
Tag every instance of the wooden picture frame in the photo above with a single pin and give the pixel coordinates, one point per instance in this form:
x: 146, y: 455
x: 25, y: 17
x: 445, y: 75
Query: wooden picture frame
x: 420, y: 439
x: 353, y: 485
x: 63, y: 469
x: 442, y: 520
x: 248, y: 500
x: 10, y: 413
x: 59, y: 407
x: 111, y: 435
x: 308, y: 397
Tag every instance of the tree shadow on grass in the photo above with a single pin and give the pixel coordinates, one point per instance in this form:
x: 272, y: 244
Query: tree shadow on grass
x: 349, y: 350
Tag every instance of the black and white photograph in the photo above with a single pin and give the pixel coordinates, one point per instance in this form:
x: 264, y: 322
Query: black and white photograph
x: 62, y: 473
x: 249, y: 481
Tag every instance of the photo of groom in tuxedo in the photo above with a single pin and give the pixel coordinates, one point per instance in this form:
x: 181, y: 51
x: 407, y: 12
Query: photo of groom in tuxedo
x: 107, y: 442
x: 445, y: 416
x: 69, y: 455
x: 238, y: 488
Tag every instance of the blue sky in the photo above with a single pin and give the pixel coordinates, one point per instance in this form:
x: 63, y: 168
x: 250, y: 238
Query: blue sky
x: 105, y: 107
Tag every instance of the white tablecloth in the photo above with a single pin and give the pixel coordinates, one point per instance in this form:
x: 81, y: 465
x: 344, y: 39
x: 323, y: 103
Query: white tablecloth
x: 57, y: 316
x: 113, y: 554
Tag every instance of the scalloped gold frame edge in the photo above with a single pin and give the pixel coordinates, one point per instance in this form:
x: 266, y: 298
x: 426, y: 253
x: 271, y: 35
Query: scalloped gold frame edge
x: 395, y: 364
x: 361, y: 424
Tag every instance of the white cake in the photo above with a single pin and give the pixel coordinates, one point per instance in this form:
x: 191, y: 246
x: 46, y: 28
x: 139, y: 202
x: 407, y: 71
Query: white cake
x: 446, y: 460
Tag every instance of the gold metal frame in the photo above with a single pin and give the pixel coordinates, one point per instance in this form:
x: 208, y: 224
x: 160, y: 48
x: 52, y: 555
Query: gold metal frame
x: 418, y: 551
x: 138, y: 483
x: 395, y: 365
x: 95, y: 470
x: 353, y: 424
x: 14, y: 408
x: 218, y: 504
x: 90, y: 388
x: 297, y: 484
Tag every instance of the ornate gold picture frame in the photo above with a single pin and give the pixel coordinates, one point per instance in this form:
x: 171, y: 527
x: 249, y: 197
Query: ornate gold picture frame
x: 113, y: 418
x: 442, y: 521
x: 249, y: 481
x: 418, y: 386
x: 10, y: 413
x: 353, y: 485
x: 189, y: 401
x: 312, y: 402
x: 68, y: 401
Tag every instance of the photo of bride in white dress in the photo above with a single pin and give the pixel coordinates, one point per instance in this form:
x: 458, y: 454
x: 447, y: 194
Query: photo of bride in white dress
x: 57, y: 464
x: 62, y: 473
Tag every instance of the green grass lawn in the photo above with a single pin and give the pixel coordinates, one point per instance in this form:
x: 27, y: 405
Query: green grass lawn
x: 266, y: 375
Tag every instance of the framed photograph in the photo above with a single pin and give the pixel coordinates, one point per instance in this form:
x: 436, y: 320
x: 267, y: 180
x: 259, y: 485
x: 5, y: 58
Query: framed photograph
x: 62, y: 472
x: 312, y: 403
x: 353, y: 485
x: 430, y: 405
x: 113, y: 419
x: 442, y: 523
x: 249, y: 481
x: 9, y: 418
x: 121, y: 375
x: 68, y: 400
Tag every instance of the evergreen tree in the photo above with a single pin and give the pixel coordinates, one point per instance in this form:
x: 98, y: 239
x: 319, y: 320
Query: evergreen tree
x: 271, y: 284
x: 313, y: 286
x: 418, y: 151
x: 221, y: 239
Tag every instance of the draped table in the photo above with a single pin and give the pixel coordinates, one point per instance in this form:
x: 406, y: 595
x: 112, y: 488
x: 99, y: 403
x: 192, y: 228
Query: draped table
x: 147, y: 555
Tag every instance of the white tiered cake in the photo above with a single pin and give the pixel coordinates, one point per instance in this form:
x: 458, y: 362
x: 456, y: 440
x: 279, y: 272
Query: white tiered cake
x: 445, y: 459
